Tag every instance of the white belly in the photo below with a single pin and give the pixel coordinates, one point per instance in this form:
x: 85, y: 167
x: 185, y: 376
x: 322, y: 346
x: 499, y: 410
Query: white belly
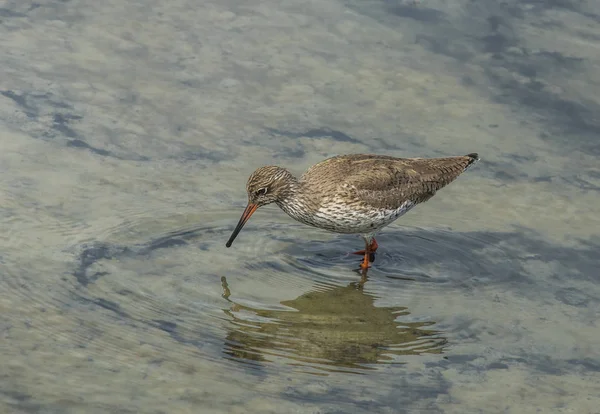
x: 340, y: 218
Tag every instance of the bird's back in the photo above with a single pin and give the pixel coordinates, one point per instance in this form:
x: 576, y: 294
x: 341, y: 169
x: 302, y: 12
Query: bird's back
x: 382, y: 181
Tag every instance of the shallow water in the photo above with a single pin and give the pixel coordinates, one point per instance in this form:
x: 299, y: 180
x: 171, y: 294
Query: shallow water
x: 128, y: 133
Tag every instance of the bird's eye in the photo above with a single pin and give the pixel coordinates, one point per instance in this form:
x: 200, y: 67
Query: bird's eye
x: 261, y: 191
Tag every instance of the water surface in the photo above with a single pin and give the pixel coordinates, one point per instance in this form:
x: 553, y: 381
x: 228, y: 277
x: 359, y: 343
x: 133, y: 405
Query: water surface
x: 128, y: 133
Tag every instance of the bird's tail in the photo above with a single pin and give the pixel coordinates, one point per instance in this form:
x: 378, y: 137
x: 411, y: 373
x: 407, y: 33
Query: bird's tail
x: 474, y: 158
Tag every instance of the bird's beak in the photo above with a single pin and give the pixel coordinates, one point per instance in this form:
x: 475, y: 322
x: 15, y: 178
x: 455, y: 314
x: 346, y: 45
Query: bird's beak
x: 250, y: 209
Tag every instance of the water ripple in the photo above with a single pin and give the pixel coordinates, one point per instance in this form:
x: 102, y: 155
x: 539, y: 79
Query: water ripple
x: 329, y: 324
x: 285, y: 295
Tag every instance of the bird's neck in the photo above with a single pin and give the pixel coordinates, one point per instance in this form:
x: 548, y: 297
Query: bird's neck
x: 294, y: 201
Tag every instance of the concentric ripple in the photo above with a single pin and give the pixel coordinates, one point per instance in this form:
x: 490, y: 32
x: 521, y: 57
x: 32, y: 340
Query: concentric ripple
x: 327, y: 331
x: 283, y: 295
x: 441, y: 257
x: 292, y: 299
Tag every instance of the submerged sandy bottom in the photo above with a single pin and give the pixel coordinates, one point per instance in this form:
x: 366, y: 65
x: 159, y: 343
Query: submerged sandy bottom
x: 129, y: 130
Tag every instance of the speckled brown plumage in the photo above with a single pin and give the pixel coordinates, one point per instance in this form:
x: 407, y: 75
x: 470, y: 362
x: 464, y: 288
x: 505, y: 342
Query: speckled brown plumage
x: 356, y: 193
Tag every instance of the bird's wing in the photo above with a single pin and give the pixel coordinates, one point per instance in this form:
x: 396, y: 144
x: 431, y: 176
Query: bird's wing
x: 386, y: 182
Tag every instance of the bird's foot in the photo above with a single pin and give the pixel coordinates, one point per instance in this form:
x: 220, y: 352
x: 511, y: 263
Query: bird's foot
x: 367, y: 260
x: 366, y: 263
x: 370, y: 252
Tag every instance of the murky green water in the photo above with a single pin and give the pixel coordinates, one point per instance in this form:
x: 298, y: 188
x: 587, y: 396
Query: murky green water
x: 129, y: 129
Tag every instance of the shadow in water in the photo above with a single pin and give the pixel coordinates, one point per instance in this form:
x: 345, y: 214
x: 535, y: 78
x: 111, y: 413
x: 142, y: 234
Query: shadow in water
x: 334, y: 329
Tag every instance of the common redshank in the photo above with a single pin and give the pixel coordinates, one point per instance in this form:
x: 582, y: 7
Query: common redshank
x: 357, y: 193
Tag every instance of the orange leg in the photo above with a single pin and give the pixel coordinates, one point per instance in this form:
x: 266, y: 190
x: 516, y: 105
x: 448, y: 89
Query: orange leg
x: 365, y: 264
x: 369, y: 252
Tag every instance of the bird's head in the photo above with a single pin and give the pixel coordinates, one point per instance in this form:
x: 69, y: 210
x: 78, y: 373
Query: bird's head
x: 266, y: 185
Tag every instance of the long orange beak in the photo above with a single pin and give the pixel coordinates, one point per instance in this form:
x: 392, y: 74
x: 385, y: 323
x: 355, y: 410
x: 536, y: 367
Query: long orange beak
x: 250, y: 209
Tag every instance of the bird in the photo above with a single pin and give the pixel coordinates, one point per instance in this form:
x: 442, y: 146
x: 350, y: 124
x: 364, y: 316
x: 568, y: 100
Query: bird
x: 352, y: 194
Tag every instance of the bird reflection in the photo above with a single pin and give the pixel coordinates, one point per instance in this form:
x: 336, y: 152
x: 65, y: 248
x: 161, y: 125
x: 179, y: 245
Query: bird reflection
x: 334, y: 329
